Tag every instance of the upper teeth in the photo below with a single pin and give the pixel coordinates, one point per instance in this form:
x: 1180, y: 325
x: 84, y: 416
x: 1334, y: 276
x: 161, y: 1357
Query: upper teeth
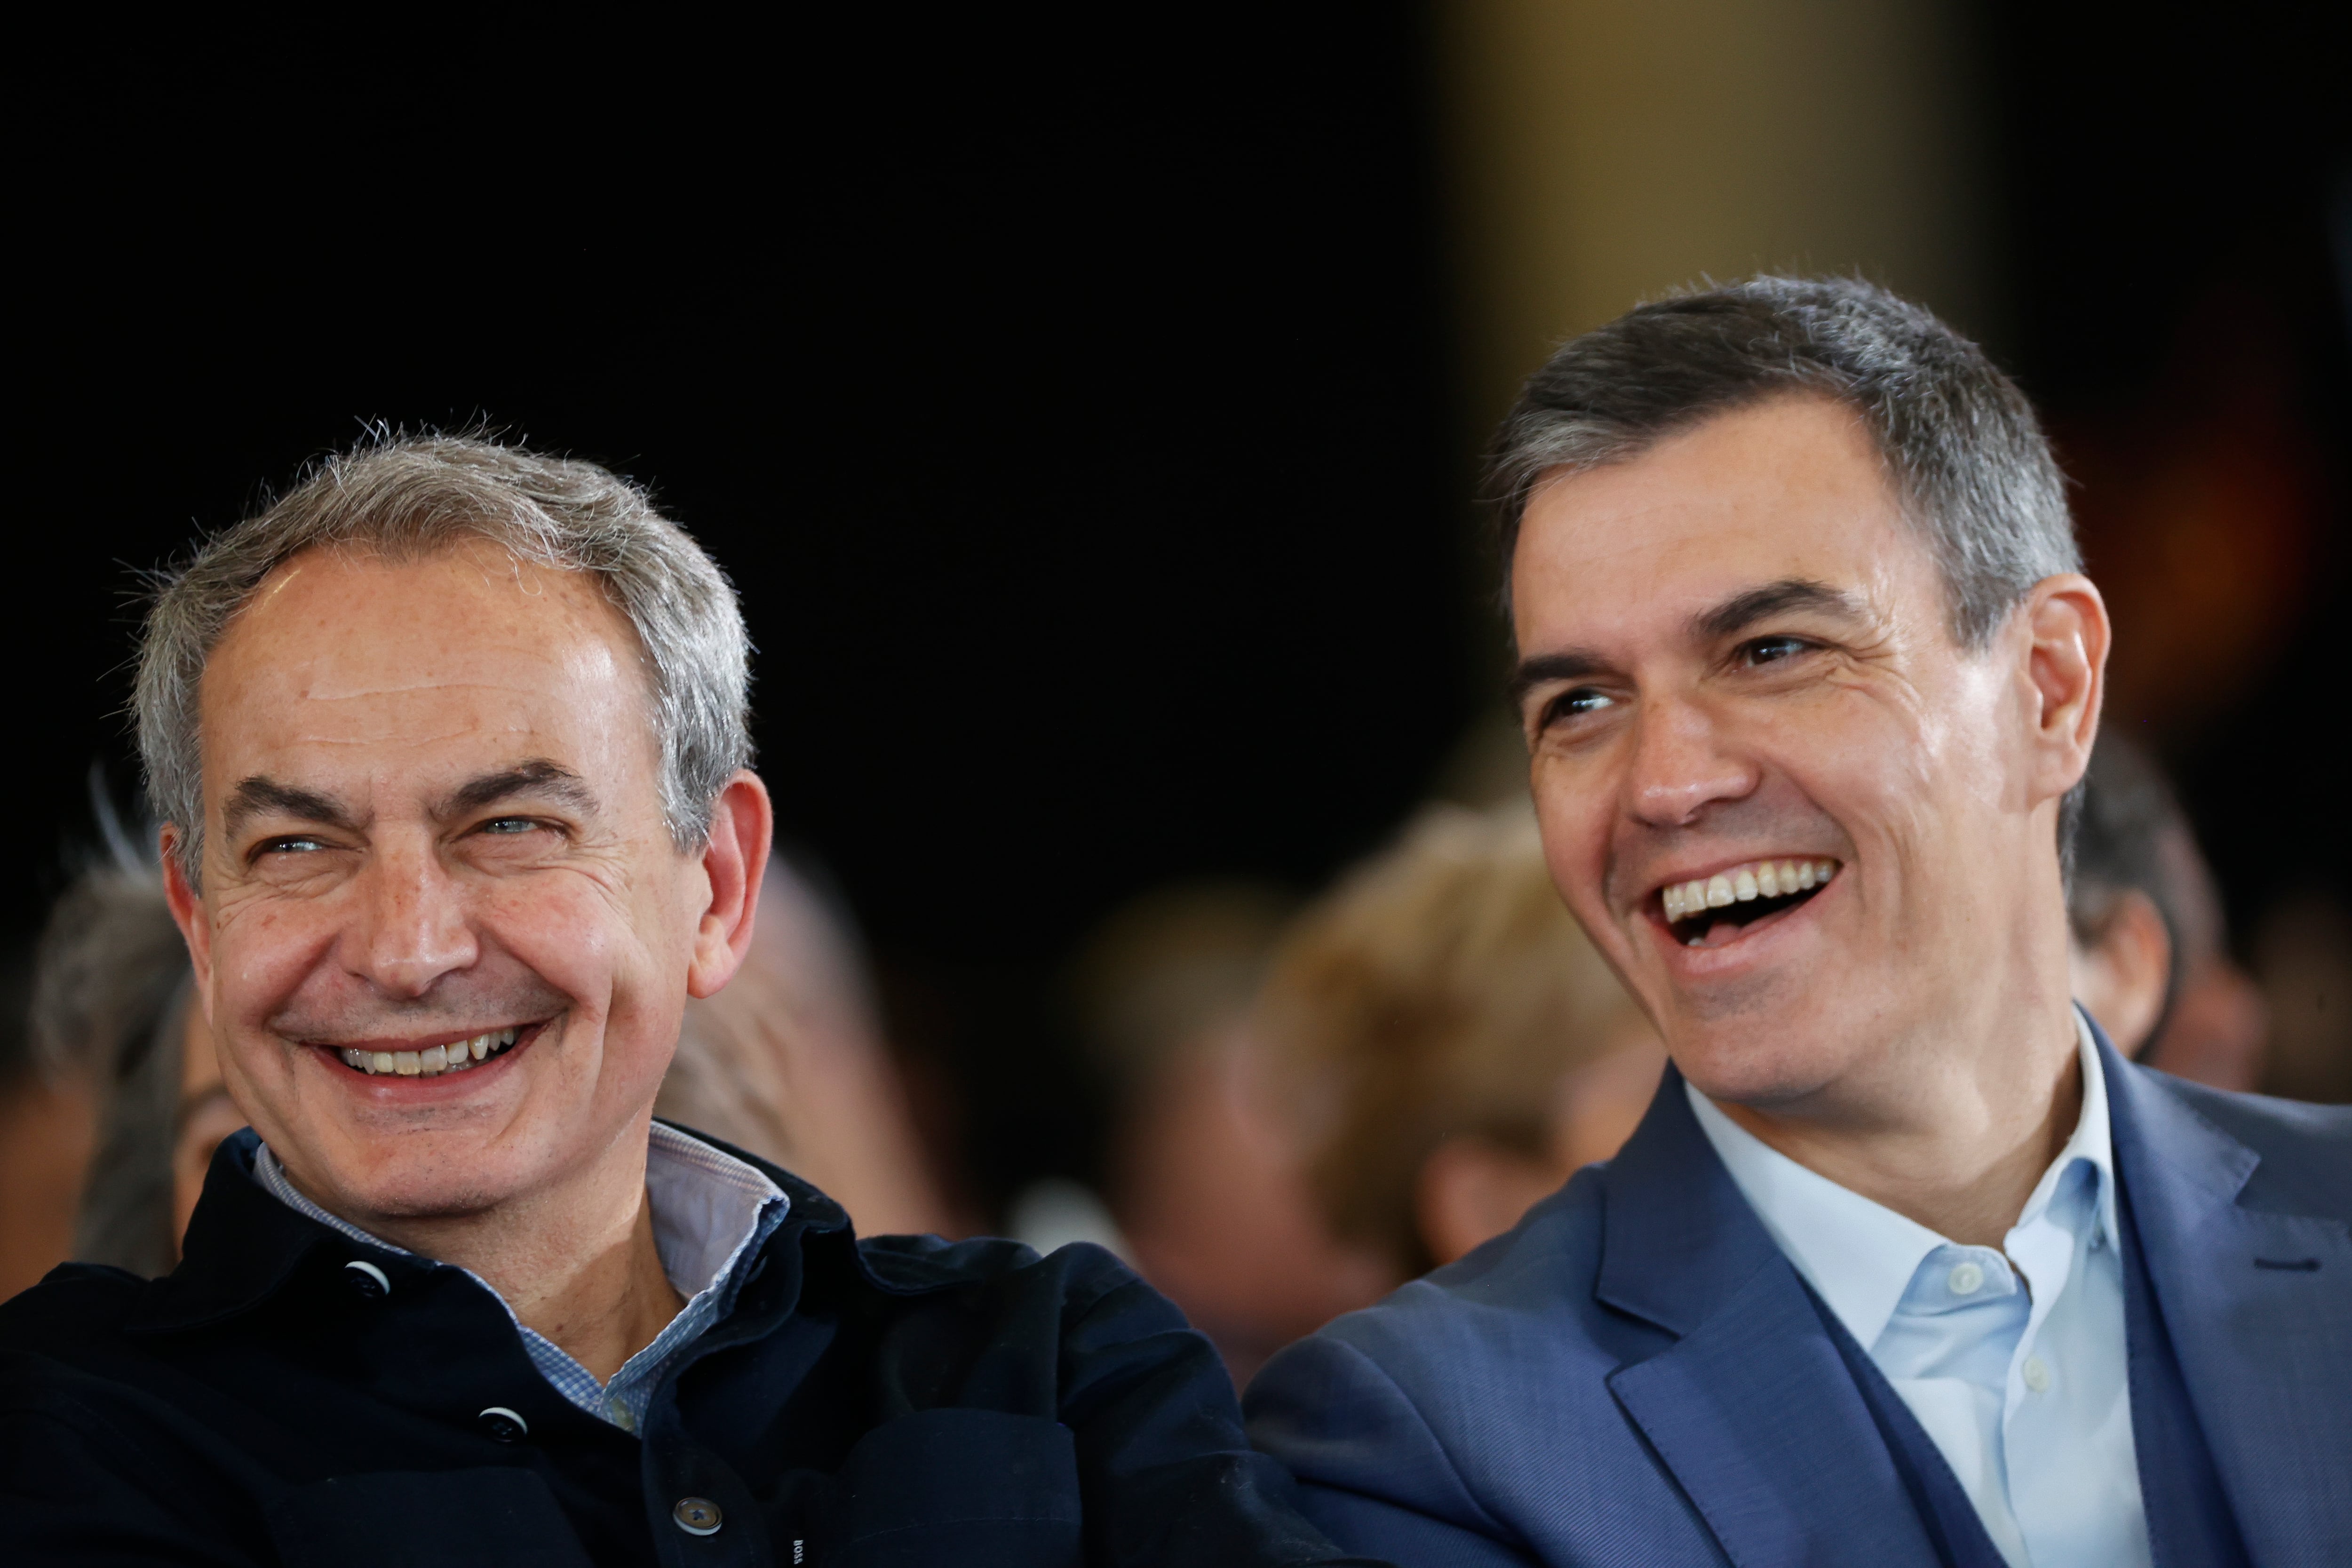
x: 455, y: 1056
x: 1757, y: 879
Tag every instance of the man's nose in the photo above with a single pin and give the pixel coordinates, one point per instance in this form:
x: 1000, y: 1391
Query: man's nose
x: 414, y: 927
x: 1682, y: 765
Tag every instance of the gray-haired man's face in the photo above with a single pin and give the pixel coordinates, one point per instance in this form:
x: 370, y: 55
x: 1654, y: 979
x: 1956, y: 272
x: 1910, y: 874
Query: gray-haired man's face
x: 444, y: 938
x: 1801, y: 819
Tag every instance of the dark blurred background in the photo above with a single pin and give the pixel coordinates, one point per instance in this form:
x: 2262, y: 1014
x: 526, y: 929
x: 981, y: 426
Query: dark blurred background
x: 1088, y: 412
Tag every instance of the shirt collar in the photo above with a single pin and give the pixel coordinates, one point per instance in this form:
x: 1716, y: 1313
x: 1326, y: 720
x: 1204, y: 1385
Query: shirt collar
x: 707, y: 1205
x: 708, y: 1208
x: 1860, y: 1255
x: 2093, y: 1141
x: 244, y: 1247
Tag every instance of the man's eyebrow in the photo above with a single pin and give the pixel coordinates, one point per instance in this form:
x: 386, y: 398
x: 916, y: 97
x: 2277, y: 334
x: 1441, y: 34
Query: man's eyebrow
x: 538, y: 776
x: 1731, y: 617
x: 1568, y: 664
x: 1741, y: 611
x: 259, y: 797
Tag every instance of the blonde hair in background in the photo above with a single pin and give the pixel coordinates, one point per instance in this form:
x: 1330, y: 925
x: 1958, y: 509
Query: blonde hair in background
x: 1440, y: 989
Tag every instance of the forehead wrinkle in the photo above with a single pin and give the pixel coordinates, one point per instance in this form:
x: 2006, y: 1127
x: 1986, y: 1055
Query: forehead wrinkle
x: 1737, y: 486
x: 494, y: 690
x: 354, y: 721
x: 516, y: 675
x: 1687, y: 580
x: 573, y: 662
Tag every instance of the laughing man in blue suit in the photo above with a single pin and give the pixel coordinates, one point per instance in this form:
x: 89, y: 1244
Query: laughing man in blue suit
x: 1906, y: 1265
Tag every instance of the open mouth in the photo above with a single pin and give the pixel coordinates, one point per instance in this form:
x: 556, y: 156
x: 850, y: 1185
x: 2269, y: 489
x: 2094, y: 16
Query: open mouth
x: 1709, y: 911
x: 434, y: 1061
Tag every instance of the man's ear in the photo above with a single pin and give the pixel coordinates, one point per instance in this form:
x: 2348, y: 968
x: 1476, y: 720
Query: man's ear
x: 187, y: 907
x: 2065, y: 679
x: 734, y: 859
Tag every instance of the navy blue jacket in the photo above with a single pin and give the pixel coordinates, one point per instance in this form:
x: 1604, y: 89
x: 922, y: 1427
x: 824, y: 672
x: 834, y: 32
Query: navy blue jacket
x: 1636, y: 1375
x: 902, y: 1401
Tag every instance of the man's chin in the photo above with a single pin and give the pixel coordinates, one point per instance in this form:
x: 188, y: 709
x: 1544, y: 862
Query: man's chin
x: 408, y: 1205
x: 415, y: 1178
x: 1751, y: 1062
x: 1758, y: 1092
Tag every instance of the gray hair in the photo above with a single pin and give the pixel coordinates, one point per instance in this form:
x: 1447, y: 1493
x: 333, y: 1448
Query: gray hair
x: 1960, y: 442
x: 110, y: 993
x: 404, y: 498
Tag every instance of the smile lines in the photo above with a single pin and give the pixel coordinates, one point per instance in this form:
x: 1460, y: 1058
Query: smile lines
x: 433, y: 1061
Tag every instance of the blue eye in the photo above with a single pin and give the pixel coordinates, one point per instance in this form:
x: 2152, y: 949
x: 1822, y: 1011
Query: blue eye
x: 509, y: 825
x: 1773, y: 650
x: 291, y: 846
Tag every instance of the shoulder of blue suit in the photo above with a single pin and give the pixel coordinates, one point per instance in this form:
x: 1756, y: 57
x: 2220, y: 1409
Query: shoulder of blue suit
x: 1636, y: 1373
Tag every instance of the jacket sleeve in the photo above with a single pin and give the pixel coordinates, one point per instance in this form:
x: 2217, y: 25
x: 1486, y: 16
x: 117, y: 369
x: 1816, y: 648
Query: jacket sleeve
x: 70, y: 1496
x: 1370, y: 1474
x: 1169, y: 1477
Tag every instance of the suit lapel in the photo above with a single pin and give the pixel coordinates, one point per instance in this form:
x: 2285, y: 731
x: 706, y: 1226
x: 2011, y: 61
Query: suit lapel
x: 2259, y: 1309
x: 1752, y: 1408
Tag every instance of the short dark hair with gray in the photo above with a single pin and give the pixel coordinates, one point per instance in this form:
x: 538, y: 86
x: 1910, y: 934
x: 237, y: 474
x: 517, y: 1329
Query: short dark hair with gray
x: 1960, y: 443
x: 406, y: 497
x: 2135, y: 837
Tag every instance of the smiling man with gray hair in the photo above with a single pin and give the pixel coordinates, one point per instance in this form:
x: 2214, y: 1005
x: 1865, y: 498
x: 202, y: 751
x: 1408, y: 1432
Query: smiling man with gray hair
x: 1904, y: 1264
x: 451, y: 748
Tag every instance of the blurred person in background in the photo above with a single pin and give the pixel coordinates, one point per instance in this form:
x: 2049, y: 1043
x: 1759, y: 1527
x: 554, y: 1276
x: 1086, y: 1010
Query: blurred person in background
x: 110, y: 1007
x: 2303, y: 950
x: 47, y: 1120
x: 1446, y: 1043
x: 2151, y: 959
x: 1203, y: 1179
x: 789, y: 1063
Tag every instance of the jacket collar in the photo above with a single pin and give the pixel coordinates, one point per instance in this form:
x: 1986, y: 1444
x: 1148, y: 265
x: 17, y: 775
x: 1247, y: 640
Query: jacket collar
x: 2258, y: 1305
x: 1752, y: 1408
x: 1766, y: 1431
x: 1680, y: 1240
x: 243, y: 1244
x: 1859, y: 1255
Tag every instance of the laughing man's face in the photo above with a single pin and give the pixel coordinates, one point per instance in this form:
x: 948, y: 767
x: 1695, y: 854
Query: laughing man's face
x: 1795, y: 814
x: 443, y: 937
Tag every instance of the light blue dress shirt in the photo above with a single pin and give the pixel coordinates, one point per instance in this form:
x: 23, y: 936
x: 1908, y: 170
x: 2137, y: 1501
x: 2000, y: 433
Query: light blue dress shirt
x: 712, y: 1214
x: 2012, y: 1359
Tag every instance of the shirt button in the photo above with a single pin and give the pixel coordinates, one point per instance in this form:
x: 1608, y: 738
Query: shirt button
x: 697, y: 1516
x: 1966, y: 1279
x: 366, y: 1281
x: 503, y: 1425
x: 2037, y: 1374
x: 622, y: 1417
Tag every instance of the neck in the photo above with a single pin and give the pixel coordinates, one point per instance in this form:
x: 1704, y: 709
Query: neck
x: 1954, y: 1127
x: 577, y: 1265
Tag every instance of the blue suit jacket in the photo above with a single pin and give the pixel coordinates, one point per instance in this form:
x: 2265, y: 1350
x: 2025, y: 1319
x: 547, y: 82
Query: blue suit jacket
x: 1636, y: 1375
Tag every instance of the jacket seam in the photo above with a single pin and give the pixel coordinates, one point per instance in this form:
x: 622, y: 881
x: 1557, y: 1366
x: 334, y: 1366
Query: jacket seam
x: 1452, y: 1466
